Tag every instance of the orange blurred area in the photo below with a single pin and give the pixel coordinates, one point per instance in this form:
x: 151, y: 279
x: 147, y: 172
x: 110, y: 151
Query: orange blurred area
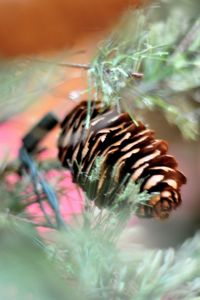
x: 33, y: 26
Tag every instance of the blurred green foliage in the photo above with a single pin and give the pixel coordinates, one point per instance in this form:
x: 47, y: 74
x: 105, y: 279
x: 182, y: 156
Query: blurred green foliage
x: 23, y: 81
x: 86, y: 260
x: 87, y: 263
x: 163, y: 43
x: 25, y: 270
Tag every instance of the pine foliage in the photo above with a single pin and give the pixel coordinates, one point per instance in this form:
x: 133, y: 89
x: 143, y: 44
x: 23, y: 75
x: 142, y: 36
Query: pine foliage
x: 152, y: 60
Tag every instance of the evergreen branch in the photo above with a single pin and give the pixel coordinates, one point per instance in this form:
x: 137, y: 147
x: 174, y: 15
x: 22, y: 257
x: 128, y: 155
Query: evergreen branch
x: 136, y: 75
x: 169, y: 69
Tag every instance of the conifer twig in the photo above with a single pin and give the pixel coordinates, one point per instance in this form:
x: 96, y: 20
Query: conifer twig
x: 83, y: 66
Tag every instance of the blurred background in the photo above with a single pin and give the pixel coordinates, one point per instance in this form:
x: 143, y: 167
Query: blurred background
x: 49, y: 52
